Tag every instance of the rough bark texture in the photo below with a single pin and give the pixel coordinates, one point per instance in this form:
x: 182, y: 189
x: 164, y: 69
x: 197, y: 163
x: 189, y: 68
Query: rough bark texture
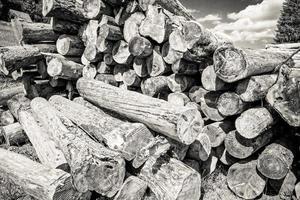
x: 64, y: 26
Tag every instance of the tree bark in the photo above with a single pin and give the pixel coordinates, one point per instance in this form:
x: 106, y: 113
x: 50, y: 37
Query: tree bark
x: 91, y: 53
x: 63, y: 26
x: 211, y: 82
x: 6, y: 118
x: 103, y: 68
x: 133, y: 188
x: 179, y: 123
x: 154, y: 85
x: 185, y: 67
x: 110, y: 32
x: 69, y: 45
x: 175, y: 7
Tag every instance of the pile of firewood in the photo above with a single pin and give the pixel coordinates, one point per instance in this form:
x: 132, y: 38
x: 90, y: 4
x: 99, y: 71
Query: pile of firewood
x: 136, y: 100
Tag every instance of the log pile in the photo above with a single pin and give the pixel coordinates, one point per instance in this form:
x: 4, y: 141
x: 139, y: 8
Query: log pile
x: 136, y: 100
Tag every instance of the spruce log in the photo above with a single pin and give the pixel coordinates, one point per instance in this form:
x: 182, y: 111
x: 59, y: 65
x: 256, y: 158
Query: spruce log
x: 91, y: 53
x: 13, y: 134
x: 133, y: 188
x: 242, y: 148
x: 169, y: 54
x: 256, y: 87
x: 140, y: 67
x: 156, y: 64
x: 93, y: 166
x: 211, y: 82
x: 130, y: 78
x: 64, y: 26
x: 69, y: 45
x: 171, y: 179
x: 89, y: 71
x: 108, y: 59
x: 154, y: 85
x: 6, y: 94
x: 121, y: 53
x: 284, y: 95
x: 107, y: 78
x: 38, y: 180
x: 126, y: 138
x: 178, y: 98
x: 244, y: 181
x: 6, y: 118
x: 103, y: 68
x: 180, y: 83
x: 16, y: 57
x: 275, y: 161
x: 119, y: 71
x: 140, y: 47
x: 94, y: 9
x: 131, y: 26
x: 184, y: 125
x: 230, y: 103
x: 253, y: 122
x: 185, y: 67
x: 233, y: 64
x: 200, y: 149
x: 65, y: 69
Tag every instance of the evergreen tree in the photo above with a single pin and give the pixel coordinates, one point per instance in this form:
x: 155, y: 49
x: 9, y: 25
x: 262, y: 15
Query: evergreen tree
x: 288, y: 25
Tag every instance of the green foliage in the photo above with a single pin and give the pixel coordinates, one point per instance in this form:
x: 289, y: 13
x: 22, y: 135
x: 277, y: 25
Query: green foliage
x: 288, y: 25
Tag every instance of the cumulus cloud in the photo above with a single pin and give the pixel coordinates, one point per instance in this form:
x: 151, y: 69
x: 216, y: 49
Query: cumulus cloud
x: 192, y: 11
x: 209, y: 17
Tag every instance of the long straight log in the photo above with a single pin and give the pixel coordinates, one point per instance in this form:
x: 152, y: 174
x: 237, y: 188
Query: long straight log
x: 93, y: 166
x: 37, y: 180
x: 107, y: 78
x: 180, y: 123
x: 174, y: 6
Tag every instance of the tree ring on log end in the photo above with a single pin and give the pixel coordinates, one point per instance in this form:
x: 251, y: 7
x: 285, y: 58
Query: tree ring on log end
x: 189, y: 125
x: 54, y: 67
x: 63, y: 45
x: 272, y: 165
x: 230, y: 63
x: 92, y: 8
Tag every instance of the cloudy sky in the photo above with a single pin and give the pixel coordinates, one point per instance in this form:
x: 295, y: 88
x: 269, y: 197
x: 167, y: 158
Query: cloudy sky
x: 249, y: 23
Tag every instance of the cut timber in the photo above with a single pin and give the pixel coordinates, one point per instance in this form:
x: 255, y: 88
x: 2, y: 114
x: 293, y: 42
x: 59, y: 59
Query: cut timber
x: 256, y: 87
x: 110, y: 32
x: 217, y: 132
x: 119, y: 71
x: 16, y: 57
x: 170, y: 179
x: 126, y: 138
x: 192, y: 32
x: 33, y: 33
x: 140, y: 47
x: 132, y: 24
x: 174, y: 6
x: 90, y: 32
x: 121, y: 53
x: 180, y: 123
x: 6, y: 94
x: 177, y: 42
x: 154, y: 85
x: 93, y: 166
x: 103, y: 68
x: 200, y: 149
x: 230, y: 103
x: 22, y: 16
x: 6, y: 118
x: 284, y: 95
x: 244, y: 181
x: 211, y: 82
x: 130, y: 78
x: 140, y: 67
x: 89, y: 71
x: 133, y: 188
x: 104, y: 46
x: 69, y: 45
x: 154, y: 25
x: 108, y: 59
x: 71, y: 10
x: 169, y: 54
x: 275, y: 161
x: 185, y: 67
x: 37, y: 180
x: 47, y: 151
x: 65, y: 69
x: 242, y: 148
x: 13, y: 134
x: 94, y: 9
x: 63, y: 26
x: 180, y: 83
x: 253, y: 122
x: 91, y: 54
x: 50, y: 56
x: 233, y: 64
x: 155, y: 63
x: 178, y: 98
x: 107, y: 78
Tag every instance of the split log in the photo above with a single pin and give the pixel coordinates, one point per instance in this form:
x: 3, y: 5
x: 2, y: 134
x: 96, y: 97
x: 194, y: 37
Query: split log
x: 256, y: 87
x: 13, y: 134
x: 183, y: 126
x: 230, y: 103
x: 47, y: 151
x: 110, y: 32
x: 284, y: 95
x: 65, y: 69
x: 50, y: 184
x: 103, y: 68
x: 254, y: 122
x: 91, y: 53
x: 170, y: 179
x: 169, y: 54
x: 63, y: 26
x: 69, y: 45
x: 179, y: 99
x: 126, y: 138
x: 16, y: 57
x: 140, y: 47
x: 200, y: 149
x: 232, y: 64
x: 93, y: 166
x: 140, y: 67
x: 180, y: 83
x: 185, y: 67
x: 70, y: 10
x: 119, y: 71
x: 121, y: 53
x: 155, y: 63
x: 89, y: 71
x: 6, y: 118
x: 107, y: 78
x: 130, y: 78
x: 211, y: 82
x: 154, y: 25
x: 108, y: 59
x: 133, y: 188
x: 131, y: 26
x: 275, y: 161
x: 175, y: 7
x: 244, y: 181
x: 8, y: 93
x: 154, y: 85
x: 217, y: 132
x: 96, y: 8
x: 242, y: 148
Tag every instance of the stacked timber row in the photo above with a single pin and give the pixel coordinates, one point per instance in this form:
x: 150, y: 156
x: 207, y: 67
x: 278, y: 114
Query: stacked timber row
x: 136, y: 100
